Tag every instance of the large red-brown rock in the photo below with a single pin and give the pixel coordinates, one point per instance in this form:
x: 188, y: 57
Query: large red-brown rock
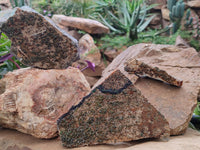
x: 31, y: 100
x: 87, y: 25
x: 175, y: 103
x: 115, y: 111
x: 37, y: 41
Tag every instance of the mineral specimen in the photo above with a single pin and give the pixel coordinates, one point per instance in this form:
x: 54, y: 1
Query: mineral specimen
x: 114, y: 111
x: 37, y: 41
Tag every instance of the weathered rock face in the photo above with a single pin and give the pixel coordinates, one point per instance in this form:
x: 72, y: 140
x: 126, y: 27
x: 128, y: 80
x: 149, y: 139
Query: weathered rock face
x: 31, y: 100
x: 87, y: 25
x: 181, y: 42
x: 114, y: 111
x: 194, y: 4
x: 165, y: 13
x: 37, y: 41
x: 5, y: 4
x: 71, y: 31
x: 176, y: 104
x: 86, y: 44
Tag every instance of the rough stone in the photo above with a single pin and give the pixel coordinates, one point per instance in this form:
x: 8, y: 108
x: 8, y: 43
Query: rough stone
x: 71, y: 31
x: 90, y: 52
x: 37, y: 41
x: 111, y: 54
x: 31, y: 100
x: 115, y: 111
x: 92, y: 80
x: 194, y: 3
x: 176, y: 104
x: 156, y: 21
x: 165, y: 13
x: 181, y: 42
x: 86, y: 45
x: 5, y: 4
x: 87, y: 25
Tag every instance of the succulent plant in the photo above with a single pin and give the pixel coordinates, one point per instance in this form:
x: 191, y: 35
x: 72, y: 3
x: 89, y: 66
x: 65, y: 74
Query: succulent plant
x: 188, y: 19
x: 176, y: 13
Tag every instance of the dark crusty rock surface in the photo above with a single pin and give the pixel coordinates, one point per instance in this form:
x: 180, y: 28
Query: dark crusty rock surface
x: 36, y: 40
x: 141, y: 69
x: 114, y: 111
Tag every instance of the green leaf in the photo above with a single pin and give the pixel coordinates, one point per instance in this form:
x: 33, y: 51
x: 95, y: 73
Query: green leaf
x: 145, y: 24
x: 107, y: 24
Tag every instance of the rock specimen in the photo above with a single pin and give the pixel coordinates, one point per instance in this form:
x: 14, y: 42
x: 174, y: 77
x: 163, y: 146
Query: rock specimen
x: 5, y: 4
x: 143, y: 70
x: 31, y: 100
x: 114, y: 111
x: 87, y: 25
x: 181, y: 42
x: 176, y: 104
x: 37, y: 41
x: 194, y: 4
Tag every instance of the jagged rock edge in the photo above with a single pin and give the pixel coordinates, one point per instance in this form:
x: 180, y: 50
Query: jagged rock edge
x: 101, y: 88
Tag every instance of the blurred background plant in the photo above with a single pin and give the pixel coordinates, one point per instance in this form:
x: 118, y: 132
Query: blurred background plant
x: 20, y: 3
x: 176, y: 14
x: 195, y: 121
x: 78, y: 8
x: 7, y: 61
x: 128, y: 17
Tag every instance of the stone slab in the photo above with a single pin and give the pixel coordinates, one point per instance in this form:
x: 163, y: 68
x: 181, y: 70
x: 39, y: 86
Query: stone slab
x: 176, y: 104
x: 115, y: 111
x: 188, y: 141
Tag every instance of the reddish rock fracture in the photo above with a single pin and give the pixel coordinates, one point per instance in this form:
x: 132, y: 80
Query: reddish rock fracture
x: 143, y: 70
x: 115, y: 111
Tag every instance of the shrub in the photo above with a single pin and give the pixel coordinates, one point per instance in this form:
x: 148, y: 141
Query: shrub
x: 126, y: 17
x: 7, y: 61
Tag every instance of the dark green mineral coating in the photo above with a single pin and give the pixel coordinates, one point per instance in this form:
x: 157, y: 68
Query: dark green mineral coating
x: 37, y: 41
x: 114, y: 112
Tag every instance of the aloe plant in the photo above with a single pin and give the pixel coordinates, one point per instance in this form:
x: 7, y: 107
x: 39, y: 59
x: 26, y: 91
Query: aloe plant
x: 130, y: 18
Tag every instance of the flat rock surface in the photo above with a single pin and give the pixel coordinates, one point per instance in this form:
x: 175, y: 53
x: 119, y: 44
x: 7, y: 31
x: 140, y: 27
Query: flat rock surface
x: 37, y: 41
x: 176, y: 104
x: 87, y: 25
x: 188, y: 141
